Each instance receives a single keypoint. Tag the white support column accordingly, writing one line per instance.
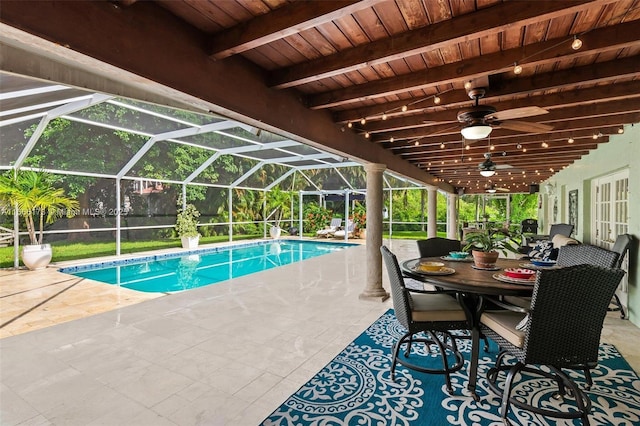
(374, 289)
(452, 217)
(432, 212)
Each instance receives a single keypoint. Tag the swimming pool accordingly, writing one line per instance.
(183, 271)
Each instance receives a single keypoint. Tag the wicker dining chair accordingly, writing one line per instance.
(438, 246)
(433, 313)
(562, 330)
(621, 246)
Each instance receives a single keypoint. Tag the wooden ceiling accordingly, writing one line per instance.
(379, 68)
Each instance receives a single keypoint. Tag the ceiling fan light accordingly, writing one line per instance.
(491, 190)
(476, 131)
(487, 173)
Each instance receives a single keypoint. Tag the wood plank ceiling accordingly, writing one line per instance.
(398, 72)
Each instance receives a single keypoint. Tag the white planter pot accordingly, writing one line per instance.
(36, 256)
(275, 232)
(190, 242)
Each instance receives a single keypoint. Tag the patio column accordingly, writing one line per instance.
(374, 289)
(432, 212)
(452, 216)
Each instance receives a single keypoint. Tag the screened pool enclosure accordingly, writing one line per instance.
(132, 164)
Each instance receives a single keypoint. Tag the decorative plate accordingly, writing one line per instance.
(543, 262)
(506, 279)
(495, 268)
(537, 267)
(457, 259)
(442, 271)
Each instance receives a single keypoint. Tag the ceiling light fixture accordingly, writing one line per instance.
(487, 173)
(517, 69)
(476, 131)
(576, 44)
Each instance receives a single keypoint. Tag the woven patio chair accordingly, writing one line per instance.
(561, 330)
(437, 246)
(621, 246)
(433, 313)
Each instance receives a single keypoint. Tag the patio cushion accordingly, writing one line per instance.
(560, 240)
(505, 324)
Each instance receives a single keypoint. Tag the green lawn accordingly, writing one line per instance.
(64, 251)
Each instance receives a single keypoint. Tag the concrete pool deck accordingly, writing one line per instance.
(229, 353)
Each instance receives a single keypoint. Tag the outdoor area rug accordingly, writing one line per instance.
(355, 388)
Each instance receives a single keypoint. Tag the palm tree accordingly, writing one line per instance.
(35, 196)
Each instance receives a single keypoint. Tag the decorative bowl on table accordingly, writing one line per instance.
(430, 266)
(539, 262)
(458, 254)
(520, 273)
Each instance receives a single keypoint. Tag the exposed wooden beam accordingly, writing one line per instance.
(595, 42)
(282, 22)
(446, 132)
(457, 30)
(584, 75)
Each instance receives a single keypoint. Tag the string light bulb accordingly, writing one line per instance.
(384, 116)
(404, 108)
(391, 140)
(517, 69)
(576, 44)
(621, 130)
(467, 85)
(437, 100)
(570, 140)
(442, 145)
(366, 135)
(363, 121)
(349, 124)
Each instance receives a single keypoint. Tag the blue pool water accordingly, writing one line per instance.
(178, 272)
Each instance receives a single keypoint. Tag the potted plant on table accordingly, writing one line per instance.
(39, 202)
(187, 226)
(487, 245)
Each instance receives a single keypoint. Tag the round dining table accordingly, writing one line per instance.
(473, 286)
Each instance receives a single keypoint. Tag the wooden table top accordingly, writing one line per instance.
(468, 279)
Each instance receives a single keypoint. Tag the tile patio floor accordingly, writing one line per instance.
(226, 354)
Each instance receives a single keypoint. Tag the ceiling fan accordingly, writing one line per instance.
(488, 167)
(492, 189)
(479, 120)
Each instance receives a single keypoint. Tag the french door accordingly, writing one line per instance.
(611, 211)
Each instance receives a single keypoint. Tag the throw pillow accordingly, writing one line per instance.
(543, 250)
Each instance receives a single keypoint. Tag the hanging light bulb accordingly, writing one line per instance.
(621, 130)
(442, 145)
(404, 108)
(467, 85)
(437, 100)
(349, 124)
(366, 135)
(517, 69)
(416, 143)
(384, 116)
(570, 140)
(576, 44)
(363, 121)
(391, 139)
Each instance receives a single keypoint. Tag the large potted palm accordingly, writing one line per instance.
(487, 245)
(278, 203)
(35, 195)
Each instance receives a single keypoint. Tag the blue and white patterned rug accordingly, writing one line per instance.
(355, 388)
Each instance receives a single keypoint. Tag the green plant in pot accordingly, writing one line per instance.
(39, 202)
(487, 245)
(187, 226)
(278, 205)
(360, 219)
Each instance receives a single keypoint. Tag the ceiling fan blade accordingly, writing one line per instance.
(510, 114)
(525, 126)
(502, 189)
(503, 166)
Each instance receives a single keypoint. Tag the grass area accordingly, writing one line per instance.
(64, 251)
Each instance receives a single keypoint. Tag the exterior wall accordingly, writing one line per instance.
(621, 152)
